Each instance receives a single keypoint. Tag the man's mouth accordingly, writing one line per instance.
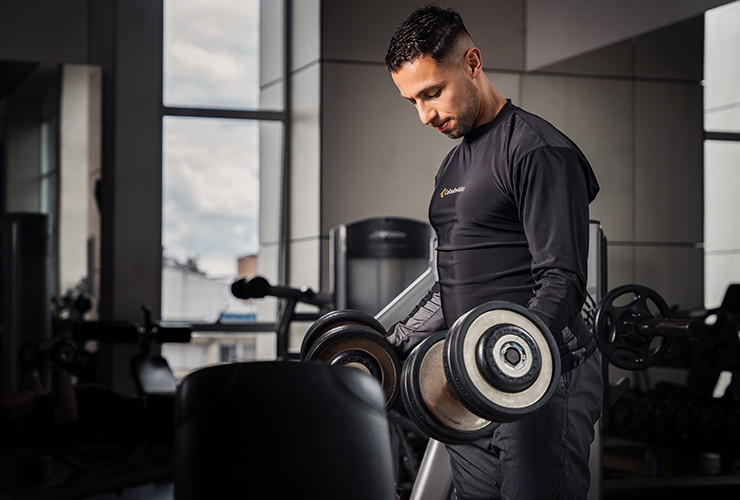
(445, 125)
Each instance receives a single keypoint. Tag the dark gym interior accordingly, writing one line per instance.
(193, 193)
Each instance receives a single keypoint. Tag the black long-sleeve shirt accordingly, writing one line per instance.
(510, 209)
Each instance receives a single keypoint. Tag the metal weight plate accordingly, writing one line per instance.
(429, 401)
(615, 327)
(337, 318)
(362, 348)
(501, 361)
(64, 353)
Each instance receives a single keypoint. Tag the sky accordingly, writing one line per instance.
(211, 166)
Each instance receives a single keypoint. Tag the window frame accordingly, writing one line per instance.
(282, 116)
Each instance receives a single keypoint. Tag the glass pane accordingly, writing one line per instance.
(721, 223)
(722, 69)
(721, 158)
(210, 225)
(207, 349)
(211, 53)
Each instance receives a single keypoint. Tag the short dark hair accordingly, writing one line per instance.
(430, 30)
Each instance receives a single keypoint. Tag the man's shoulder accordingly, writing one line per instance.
(530, 131)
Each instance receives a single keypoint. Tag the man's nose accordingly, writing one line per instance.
(426, 113)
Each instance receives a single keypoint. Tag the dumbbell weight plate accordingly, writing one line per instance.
(501, 361)
(429, 401)
(337, 318)
(360, 347)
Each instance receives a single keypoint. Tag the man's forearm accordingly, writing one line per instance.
(426, 318)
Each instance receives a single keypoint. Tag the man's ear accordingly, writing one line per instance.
(473, 62)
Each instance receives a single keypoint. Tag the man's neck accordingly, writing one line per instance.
(492, 103)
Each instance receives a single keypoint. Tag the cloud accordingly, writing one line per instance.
(211, 18)
(212, 53)
(211, 191)
(215, 239)
(217, 160)
(220, 65)
(211, 166)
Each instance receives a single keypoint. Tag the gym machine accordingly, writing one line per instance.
(90, 460)
(373, 260)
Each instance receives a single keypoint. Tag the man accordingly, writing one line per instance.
(510, 209)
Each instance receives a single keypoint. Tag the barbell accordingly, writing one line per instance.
(59, 352)
(633, 327)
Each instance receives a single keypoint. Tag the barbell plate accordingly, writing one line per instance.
(470, 383)
(64, 353)
(337, 318)
(429, 401)
(333, 344)
(615, 323)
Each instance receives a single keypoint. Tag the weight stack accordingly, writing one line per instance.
(373, 260)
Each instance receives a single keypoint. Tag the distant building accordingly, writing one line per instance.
(190, 296)
(247, 266)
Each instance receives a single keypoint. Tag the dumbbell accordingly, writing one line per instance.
(356, 340)
(641, 421)
(429, 400)
(662, 420)
(31, 357)
(621, 414)
(497, 363)
(61, 353)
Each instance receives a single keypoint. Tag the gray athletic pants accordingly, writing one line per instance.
(542, 456)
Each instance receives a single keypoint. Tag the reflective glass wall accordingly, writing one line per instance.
(721, 151)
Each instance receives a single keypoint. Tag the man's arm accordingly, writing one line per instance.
(554, 193)
(425, 320)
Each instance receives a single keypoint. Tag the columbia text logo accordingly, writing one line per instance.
(449, 191)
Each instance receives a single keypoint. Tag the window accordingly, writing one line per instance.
(210, 213)
(223, 133)
(211, 54)
(721, 151)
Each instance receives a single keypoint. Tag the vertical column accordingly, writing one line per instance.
(127, 41)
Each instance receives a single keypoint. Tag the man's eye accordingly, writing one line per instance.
(435, 95)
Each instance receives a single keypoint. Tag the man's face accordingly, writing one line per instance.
(443, 94)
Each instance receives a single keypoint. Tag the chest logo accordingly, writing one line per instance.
(449, 191)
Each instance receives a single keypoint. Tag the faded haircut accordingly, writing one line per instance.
(428, 31)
